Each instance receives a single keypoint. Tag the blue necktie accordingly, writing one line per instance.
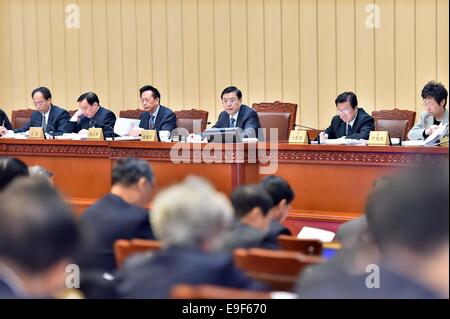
(349, 129)
(232, 121)
(151, 123)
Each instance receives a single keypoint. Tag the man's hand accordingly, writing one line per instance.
(431, 130)
(3, 130)
(323, 136)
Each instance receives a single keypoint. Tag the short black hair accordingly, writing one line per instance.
(436, 91)
(128, 171)
(11, 168)
(231, 89)
(347, 96)
(44, 91)
(155, 92)
(37, 229)
(247, 197)
(402, 213)
(278, 188)
(90, 97)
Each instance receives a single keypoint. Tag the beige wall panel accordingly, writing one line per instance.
(44, 43)
(345, 45)
(442, 28)
(86, 45)
(72, 59)
(6, 99)
(144, 43)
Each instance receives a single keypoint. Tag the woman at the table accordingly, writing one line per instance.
(5, 124)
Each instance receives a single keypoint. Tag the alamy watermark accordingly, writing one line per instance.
(73, 16)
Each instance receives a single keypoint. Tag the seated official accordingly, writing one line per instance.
(51, 118)
(434, 97)
(351, 122)
(5, 123)
(190, 220)
(91, 114)
(236, 114)
(253, 215)
(121, 214)
(282, 195)
(156, 116)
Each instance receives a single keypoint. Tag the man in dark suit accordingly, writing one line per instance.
(253, 215)
(48, 116)
(236, 114)
(190, 220)
(121, 214)
(156, 116)
(38, 238)
(282, 196)
(91, 114)
(5, 123)
(351, 121)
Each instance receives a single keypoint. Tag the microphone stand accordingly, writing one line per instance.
(309, 128)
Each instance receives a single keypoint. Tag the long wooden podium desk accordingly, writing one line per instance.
(331, 182)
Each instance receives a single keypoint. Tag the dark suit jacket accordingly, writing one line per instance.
(58, 120)
(244, 236)
(165, 120)
(276, 229)
(361, 128)
(104, 119)
(109, 219)
(247, 120)
(4, 121)
(153, 276)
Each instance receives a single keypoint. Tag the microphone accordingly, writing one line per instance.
(308, 128)
(103, 126)
(52, 127)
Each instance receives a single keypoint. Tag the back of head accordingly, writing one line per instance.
(37, 170)
(128, 171)
(10, 168)
(411, 211)
(278, 188)
(248, 197)
(37, 228)
(191, 214)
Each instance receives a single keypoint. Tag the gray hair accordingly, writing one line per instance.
(191, 214)
(37, 170)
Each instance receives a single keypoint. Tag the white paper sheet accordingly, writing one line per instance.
(124, 125)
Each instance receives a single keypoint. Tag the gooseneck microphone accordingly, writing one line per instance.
(103, 126)
(309, 128)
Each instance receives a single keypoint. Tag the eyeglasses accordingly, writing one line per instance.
(345, 111)
(231, 101)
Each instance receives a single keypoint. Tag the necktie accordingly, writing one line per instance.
(44, 123)
(232, 121)
(349, 129)
(151, 123)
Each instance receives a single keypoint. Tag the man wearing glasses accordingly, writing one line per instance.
(51, 118)
(236, 114)
(351, 121)
(434, 97)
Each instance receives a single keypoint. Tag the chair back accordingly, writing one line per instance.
(311, 247)
(396, 122)
(124, 248)
(185, 291)
(194, 121)
(277, 269)
(21, 117)
(277, 115)
(131, 114)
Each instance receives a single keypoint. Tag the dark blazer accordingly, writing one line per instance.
(109, 219)
(247, 120)
(244, 236)
(153, 276)
(165, 120)
(4, 121)
(361, 128)
(104, 119)
(276, 229)
(58, 120)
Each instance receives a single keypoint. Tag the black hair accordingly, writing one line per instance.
(436, 91)
(90, 97)
(232, 89)
(128, 171)
(155, 92)
(347, 96)
(11, 168)
(278, 188)
(44, 91)
(247, 197)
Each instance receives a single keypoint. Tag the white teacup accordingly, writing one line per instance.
(164, 136)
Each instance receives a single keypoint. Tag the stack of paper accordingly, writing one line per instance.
(316, 233)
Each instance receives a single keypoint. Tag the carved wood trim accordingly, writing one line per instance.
(396, 114)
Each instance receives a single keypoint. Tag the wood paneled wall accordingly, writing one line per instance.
(301, 51)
